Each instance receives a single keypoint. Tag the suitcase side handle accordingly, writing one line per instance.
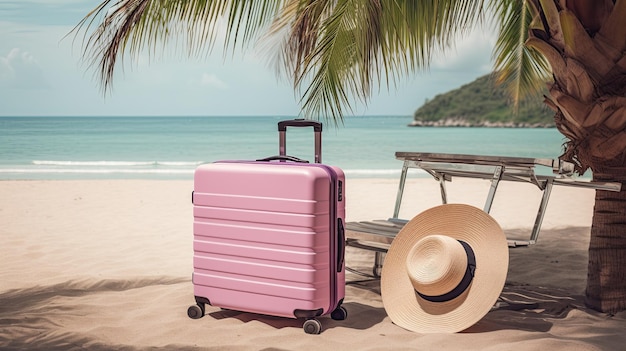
(282, 135)
(341, 244)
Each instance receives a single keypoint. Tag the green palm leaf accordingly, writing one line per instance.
(520, 69)
(132, 26)
(339, 49)
(334, 51)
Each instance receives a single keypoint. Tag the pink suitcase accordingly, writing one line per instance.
(269, 236)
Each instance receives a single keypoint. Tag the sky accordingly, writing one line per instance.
(42, 73)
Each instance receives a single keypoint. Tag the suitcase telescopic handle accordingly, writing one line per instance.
(282, 135)
(300, 122)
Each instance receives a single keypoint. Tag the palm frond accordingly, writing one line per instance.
(331, 62)
(334, 50)
(520, 69)
(345, 47)
(132, 26)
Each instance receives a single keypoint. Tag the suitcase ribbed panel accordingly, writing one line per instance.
(306, 220)
(261, 233)
(262, 237)
(279, 272)
(261, 251)
(304, 294)
(261, 203)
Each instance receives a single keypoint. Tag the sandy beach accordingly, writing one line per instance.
(106, 265)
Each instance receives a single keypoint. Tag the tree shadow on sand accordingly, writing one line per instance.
(528, 308)
(26, 325)
(519, 307)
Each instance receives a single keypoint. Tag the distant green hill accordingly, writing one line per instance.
(481, 103)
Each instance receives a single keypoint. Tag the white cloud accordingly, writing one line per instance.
(6, 71)
(53, 2)
(212, 81)
(471, 52)
(20, 69)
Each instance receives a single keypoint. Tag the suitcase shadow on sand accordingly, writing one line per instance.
(360, 317)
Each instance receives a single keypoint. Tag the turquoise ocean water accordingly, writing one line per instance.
(172, 147)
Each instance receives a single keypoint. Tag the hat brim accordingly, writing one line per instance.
(462, 222)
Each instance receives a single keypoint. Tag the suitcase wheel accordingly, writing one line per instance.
(312, 326)
(339, 314)
(195, 312)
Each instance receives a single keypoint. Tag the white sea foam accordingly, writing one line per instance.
(92, 163)
(379, 172)
(371, 171)
(104, 167)
(179, 163)
(94, 171)
(115, 163)
(126, 168)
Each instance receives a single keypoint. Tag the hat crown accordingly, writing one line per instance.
(436, 264)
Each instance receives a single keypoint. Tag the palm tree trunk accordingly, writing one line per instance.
(606, 273)
(584, 42)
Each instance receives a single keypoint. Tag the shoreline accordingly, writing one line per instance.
(463, 123)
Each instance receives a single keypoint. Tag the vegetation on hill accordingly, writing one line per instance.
(481, 103)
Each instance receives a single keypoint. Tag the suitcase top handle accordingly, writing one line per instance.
(282, 125)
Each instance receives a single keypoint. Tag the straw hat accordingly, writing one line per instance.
(444, 270)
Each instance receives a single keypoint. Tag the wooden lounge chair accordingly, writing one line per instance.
(377, 235)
